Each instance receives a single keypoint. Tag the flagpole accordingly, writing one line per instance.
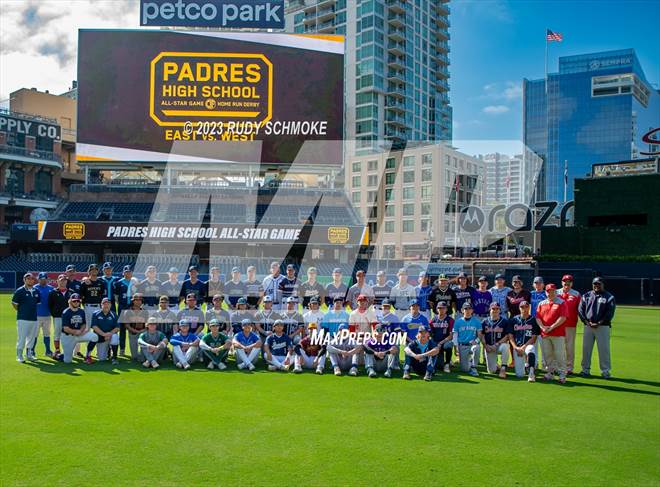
(456, 220)
(565, 179)
(546, 64)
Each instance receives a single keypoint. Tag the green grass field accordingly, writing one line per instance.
(92, 425)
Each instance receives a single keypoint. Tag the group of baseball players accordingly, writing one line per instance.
(278, 319)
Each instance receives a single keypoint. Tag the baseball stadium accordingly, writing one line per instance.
(234, 219)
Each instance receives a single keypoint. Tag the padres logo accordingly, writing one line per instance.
(338, 235)
(73, 231)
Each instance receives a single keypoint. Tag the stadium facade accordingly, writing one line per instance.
(596, 108)
(396, 69)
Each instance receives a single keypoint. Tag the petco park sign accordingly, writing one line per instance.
(255, 14)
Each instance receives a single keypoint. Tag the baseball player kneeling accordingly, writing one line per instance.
(185, 346)
(247, 345)
(344, 353)
(105, 324)
(215, 345)
(494, 336)
(308, 354)
(74, 328)
(379, 355)
(523, 333)
(421, 355)
(278, 349)
(466, 340)
(153, 344)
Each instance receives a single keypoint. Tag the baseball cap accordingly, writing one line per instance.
(127, 268)
(312, 326)
(278, 323)
(494, 305)
(151, 321)
(235, 269)
(441, 304)
(336, 270)
(246, 323)
(402, 272)
(251, 268)
(214, 268)
(290, 266)
(92, 266)
(567, 277)
(107, 265)
(483, 278)
(314, 300)
(214, 322)
(191, 295)
(343, 326)
(219, 296)
(516, 278)
(193, 268)
(386, 302)
(27, 274)
(597, 280)
(523, 303)
(362, 297)
(461, 274)
(163, 299)
(443, 277)
(312, 270)
(136, 296)
(75, 296)
(380, 273)
(241, 301)
(466, 306)
(538, 279)
(184, 322)
(338, 298)
(71, 268)
(423, 274)
(550, 286)
(105, 300)
(499, 276)
(173, 269)
(380, 328)
(413, 302)
(292, 299)
(268, 299)
(43, 275)
(422, 328)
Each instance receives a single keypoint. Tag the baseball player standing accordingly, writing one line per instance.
(25, 301)
(466, 340)
(413, 320)
(72, 283)
(271, 285)
(363, 318)
(192, 315)
(550, 316)
(150, 288)
(422, 292)
(402, 293)
(193, 285)
(265, 318)
(494, 336)
(360, 288)
(311, 288)
(523, 331)
(335, 316)
(443, 292)
(572, 299)
(58, 301)
(74, 329)
(381, 289)
(124, 291)
(499, 292)
(336, 289)
(165, 319)
(442, 327)
(537, 294)
(254, 291)
(92, 291)
(481, 299)
(43, 313)
(109, 280)
(235, 289)
(214, 285)
(153, 344)
(172, 289)
(596, 311)
(516, 296)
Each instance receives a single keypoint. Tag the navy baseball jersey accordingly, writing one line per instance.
(195, 316)
(441, 328)
(93, 292)
(150, 291)
(172, 290)
(213, 288)
(73, 319)
(380, 293)
(463, 295)
(494, 330)
(447, 295)
(288, 287)
(74, 286)
(332, 292)
(234, 291)
(110, 287)
(523, 329)
(27, 301)
(279, 345)
(106, 322)
(198, 288)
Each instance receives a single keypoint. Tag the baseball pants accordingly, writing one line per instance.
(344, 363)
(89, 310)
(136, 353)
(151, 356)
(44, 325)
(491, 358)
(554, 353)
(444, 357)
(277, 361)
(468, 356)
(216, 358)
(247, 358)
(601, 336)
(378, 364)
(570, 347)
(57, 329)
(103, 347)
(69, 342)
(420, 367)
(307, 362)
(187, 357)
(529, 358)
(27, 332)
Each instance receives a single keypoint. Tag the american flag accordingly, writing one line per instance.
(553, 36)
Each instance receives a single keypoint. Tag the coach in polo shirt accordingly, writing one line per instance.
(25, 301)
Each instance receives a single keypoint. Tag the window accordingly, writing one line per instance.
(390, 163)
(371, 196)
(427, 174)
(427, 159)
(357, 181)
(43, 182)
(356, 166)
(373, 229)
(390, 178)
(355, 197)
(389, 227)
(409, 209)
(426, 208)
(372, 180)
(372, 166)
(424, 226)
(389, 210)
(15, 182)
(409, 176)
(427, 192)
(389, 194)
(373, 212)
(409, 161)
(408, 226)
(408, 193)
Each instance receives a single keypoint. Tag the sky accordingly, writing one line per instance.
(494, 45)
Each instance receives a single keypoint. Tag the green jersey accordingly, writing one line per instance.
(152, 338)
(215, 342)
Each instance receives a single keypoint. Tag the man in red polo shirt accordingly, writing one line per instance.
(572, 299)
(551, 316)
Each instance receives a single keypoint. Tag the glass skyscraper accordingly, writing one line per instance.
(595, 109)
(397, 65)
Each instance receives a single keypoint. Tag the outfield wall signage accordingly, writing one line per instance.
(179, 96)
(31, 128)
(7, 280)
(253, 14)
(181, 232)
(474, 219)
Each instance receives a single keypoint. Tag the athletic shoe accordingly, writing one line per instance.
(122, 352)
(585, 374)
(353, 372)
(30, 356)
(60, 358)
(396, 366)
(154, 364)
(241, 366)
(428, 377)
(89, 360)
(146, 364)
(388, 373)
(19, 358)
(49, 354)
(251, 366)
(178, 364)
(79, 355)
(372, 373)
(272, 368)
(319, 371)
(502, 372)
(297, 370)
(562, 379)
(186, 366)
(548, 377)
(116, 362)
(447, 369)
(286, 367)
(473, 372)
(210, 366)
(406, 375)
(337, 371)
(569, 372)
(606, 375)
(222, 366)
(531, 378)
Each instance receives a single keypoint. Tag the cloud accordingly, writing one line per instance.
(507, 91)
(495, 109)
(493, 9)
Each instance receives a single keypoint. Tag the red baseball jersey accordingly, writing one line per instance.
(548, 312)
(572, 299)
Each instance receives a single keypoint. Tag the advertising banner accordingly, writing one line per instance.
(32, 128)
(179, 96)
(7, 281)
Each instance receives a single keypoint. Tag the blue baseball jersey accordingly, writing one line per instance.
(106, 322)
(235, 291)
(110, 287)
(467, 329)
(494, 330)
(173, 292)
(537, 297)
(423, 293)
(333, 319)
(499, 297)
(246, 340)
(279, 345)
(74, 285)
(391, 321)
(150, 292)
(123, 293)
(198, 288)
(73, 319)
(179, 339)
(523, 329)
(27, 301)
(417, 347)
(410, 324)
(42, 307)
(481, 302)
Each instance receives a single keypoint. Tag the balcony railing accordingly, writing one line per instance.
(30, 153)
(29, 116)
